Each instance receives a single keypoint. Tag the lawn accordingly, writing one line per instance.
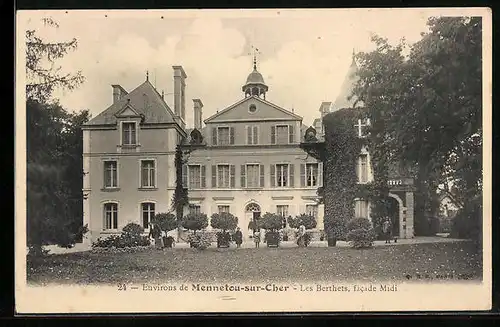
(452, 260)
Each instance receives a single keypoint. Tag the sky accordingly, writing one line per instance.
(304, 54)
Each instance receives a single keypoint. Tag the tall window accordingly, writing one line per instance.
(282, 136)
(253, 175)
(148, 213)
(223, 208)
(129, 134)
(194, 176)
(312, 174)
(194, 209)
(110, 216)
(148, 173)
(223, 176)
(363, 168)
(223, 136)
(282, 210)
(252, 135)
(361, 126)
(110, 174)
(361, 209)
(312, 210)
(282, 172)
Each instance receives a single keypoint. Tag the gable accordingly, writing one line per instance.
(127, 111)
(144, 100)
(243, 111)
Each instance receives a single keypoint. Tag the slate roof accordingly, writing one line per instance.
(342, 101)
(145, 100)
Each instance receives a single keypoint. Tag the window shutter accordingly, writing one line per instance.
(320, 174)
(203, 176)
(232, 177)
(292, 168)
(255, 135)
(243, 183)
(184, 176)
(124, 135)
(273, 134)
(302, 175)
(214, 176)
(290, 134)
(249, 135)
(261, 175)
(231, 135)
(273, 176)
(214, 136)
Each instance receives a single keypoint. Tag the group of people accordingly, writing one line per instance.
(161, 239)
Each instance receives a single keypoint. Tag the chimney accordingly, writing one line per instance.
(118, 93)
(179, 92)
(198, 114)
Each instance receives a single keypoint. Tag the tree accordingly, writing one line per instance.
(166, 221)
(430, 104)
(224, 221)
(308, 221)
(271, 222)
(42, 76)
(195, 221)
(54, 149)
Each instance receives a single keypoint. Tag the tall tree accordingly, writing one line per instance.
(431, 104)
(54, 148)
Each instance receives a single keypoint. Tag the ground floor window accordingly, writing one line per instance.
(148, 213)
(361, 209)
(312, 210)
(110, 216)
(223, 208)
(282, 210)
(195, 209)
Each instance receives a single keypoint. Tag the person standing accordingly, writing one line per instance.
(386, 228)
(155, 233)
(256, 238)
(238, 237)
(301, 236)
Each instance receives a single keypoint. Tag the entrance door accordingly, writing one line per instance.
(252, 212)
(393, 211)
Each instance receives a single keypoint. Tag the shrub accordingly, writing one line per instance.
(224, 221)
(434, 225)
(200, 241)
(121, 241)
(166, 221)
(361, 238)
(271, 221)
(195, 221)
(308, 221)
(132, 230)
(468, 223)
(272, 238)
(358, 223)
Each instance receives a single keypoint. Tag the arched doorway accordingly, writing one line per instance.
(252, 213)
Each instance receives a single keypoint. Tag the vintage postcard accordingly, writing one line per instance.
(326, 160)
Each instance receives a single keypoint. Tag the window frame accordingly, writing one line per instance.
(276, 174)
(104, 161)
(194, 206)
(287, 206)
(219, 206)
(287, 133)
(316, 210)
(228, 175)
(141, 206)
(155, 176)
(254, 136)
(246, 175)
(136, 126)
(309, 164)
(189, 176)
(360, 170)
(104, 216)
(228, 135)
(367, 208)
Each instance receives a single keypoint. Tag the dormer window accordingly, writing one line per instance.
(129, 133)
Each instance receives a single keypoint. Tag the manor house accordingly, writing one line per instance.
(251, 164)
